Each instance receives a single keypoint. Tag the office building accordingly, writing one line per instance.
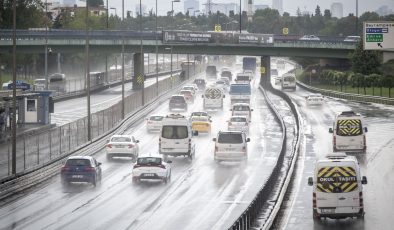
(337, 10)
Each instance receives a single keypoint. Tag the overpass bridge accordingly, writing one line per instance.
(182, 42)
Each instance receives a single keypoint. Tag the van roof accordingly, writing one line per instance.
(348, 114)
(338, 157)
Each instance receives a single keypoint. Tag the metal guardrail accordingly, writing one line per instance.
(348, 96)
(254, 209)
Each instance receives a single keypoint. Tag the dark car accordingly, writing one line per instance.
(211, 71)
(81, 169)
(177, 102)
(201, 83)
(228, 74)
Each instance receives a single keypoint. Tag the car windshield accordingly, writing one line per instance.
(177, 100)
(241, 108)
(289, 79)
(186, 92)
(199, 114)
(349, 127)
(149, 161)
(231, 138)
(121, 139)
(200, 118)
(174, 132)
(238, 119)
(199, 81)
(156, 118)
(188, 87)
(78, 162)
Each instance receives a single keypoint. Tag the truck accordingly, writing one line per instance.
(240, 93)
(249, 63)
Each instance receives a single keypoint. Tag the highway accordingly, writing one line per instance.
(376, 164)
(201, 195)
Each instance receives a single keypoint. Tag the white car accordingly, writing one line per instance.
(242, 109)
(122, 146)
(314, 99)
(191, 88)
(238, 123)
(153, 122)
(151, 167)
(310, 38)
(230, 146)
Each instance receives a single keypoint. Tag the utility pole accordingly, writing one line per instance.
(13, 123)
(87, 70)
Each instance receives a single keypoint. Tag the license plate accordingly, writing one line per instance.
(327, 210)
(229, 149)
(77, 176)
(149, 174)
(119, 146)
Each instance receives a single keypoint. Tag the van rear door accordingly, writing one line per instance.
(349, 134)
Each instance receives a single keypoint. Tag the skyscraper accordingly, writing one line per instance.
(278, 5)
(337, 10)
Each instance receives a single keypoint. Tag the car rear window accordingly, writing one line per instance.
(243, 78)
(349, 127)
(199, 114)
(174, 132)
(177, 100)
(149, 161)
(78, 162)
(238, 119)
(231, 138)
(186, 92)
(156, 118)
(241, 108)
(121, 139)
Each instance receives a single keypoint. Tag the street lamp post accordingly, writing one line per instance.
(46, 46)
(123, 110)
(356, 17)
(87, 71)
(142, 57)
(106, 55)
(157, 55)
(240, 17)
(172, 25)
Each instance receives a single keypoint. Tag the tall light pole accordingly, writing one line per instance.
(157, 55)
(142, 58)
(106, 55)
(240, 17)
(13, 123)
(123, 113)
(356, 17)
(172, 27)
(87, 69)
(46, 46)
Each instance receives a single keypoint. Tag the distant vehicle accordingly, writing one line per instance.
(211, 71)
(122, 146)
(280, 63)
(249, 63)
(188, 67)
(20, 85)
(348, 132)
(188, 94)
(222, 85)
(191, 88)
(201, 124)
(153, 122)
(213, 98)
(81, 169)
(226, 81)
(352, 39)
(231, 146)
(39, 84)
(177, 102)
(310, 38)
(243, 78)
(57, 82)
(151, 167)
(176, 137)
(238, 123)
(274, 75)
(240, 93)
(250, 72)
(200, 83)
(242, 109)
(289, 81)
(228, 74)
(314, 99)
(337, 187)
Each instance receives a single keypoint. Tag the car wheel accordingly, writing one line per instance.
(94, 181)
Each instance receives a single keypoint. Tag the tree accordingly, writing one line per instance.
(388, 81)
(327, 14)
(29, 14)
(373, 80)
(317, 11)
(365, 61)
(95, 3)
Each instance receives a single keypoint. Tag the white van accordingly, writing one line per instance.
(231, 146)
(337, 187)
(176, 137)
(213, 98)
(242, 109)
(348, 133)
(288, 81)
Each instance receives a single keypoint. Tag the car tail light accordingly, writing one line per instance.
(136, 166)
(244, 149)
(361, 200)
(130, 146)
(65, 168)
(314, 200)
(162, 166)
(109, 146)
(89, 169)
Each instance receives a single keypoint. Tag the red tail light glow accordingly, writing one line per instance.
(109, 146)
(136, 166)
(162, 166)
(89, 169)
(65, 168)
(130, 146)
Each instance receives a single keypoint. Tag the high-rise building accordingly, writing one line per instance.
(224, 8)
(195, 4)
(278, 5)
(337, 10)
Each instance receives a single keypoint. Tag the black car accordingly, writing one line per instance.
(81, 169)
(177, 102)
(201, 83)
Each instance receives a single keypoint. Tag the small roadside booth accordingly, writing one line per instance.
(34, 107)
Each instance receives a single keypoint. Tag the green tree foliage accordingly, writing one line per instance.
(29, 14)
(365, 61)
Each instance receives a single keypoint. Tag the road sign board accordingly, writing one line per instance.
(218, 28)
(285, 31)
(262, 70)
(378, 35)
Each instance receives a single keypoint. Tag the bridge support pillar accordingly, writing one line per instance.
(139, 76)
(265, 71)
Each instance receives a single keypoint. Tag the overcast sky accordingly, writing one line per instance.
(288, 5)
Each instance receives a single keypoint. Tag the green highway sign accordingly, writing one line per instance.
(378, 35)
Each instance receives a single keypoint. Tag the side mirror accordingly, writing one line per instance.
(195, 133)
(214, 139)
(137, 141)
(248, 139)
(251, 109)
(364, 180)
(310, 181)
(169, 162)
(98, 163)
(366, 129)
(330, 130)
